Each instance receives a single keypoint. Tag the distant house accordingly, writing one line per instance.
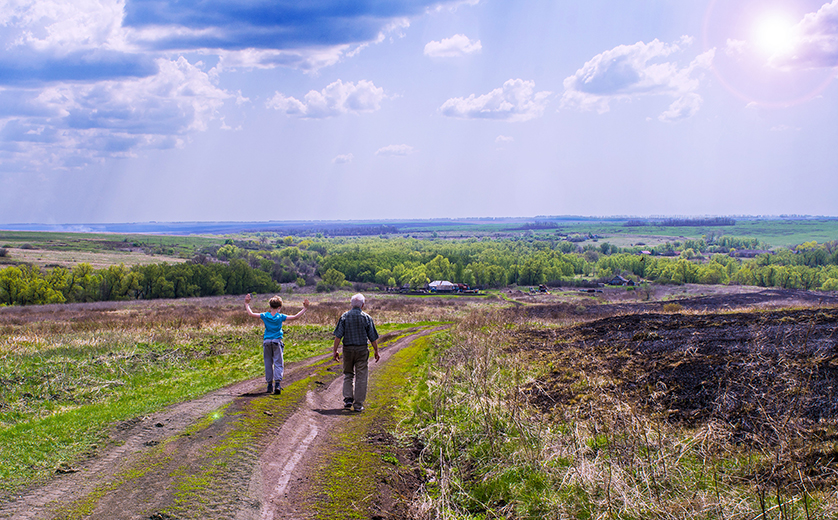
(619, 280)
(442, 286)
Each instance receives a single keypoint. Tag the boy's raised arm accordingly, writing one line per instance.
(247, 300)
(299, 314)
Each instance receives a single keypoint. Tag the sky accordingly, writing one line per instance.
(255, 110)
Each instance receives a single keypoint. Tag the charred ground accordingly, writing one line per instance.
(767, 378)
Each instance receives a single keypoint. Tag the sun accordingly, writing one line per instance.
(773, 34)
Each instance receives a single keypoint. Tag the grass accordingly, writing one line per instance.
(98, 260)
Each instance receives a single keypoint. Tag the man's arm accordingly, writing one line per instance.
(335, 353)
(375, 350)
(299, 314)
(247, 300)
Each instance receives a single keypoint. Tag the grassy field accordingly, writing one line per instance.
(520, 408)
(71, 371)
(99, 249)
(774, 232)
(98, 260)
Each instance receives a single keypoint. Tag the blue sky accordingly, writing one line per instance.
(141, 110)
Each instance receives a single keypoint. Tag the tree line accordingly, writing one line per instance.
(238, 267)
(27, 284)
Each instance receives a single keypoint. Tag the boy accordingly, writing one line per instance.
(272, 345)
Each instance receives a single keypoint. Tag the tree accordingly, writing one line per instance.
(334, 278)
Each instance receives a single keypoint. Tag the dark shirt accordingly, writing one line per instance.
(355, 327)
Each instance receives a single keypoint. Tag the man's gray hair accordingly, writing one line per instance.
(357, 300)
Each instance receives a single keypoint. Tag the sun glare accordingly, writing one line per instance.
(773, 34)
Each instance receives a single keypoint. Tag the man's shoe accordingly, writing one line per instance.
(358, 408)
(347, 402)
(277, 388)
(270, 387)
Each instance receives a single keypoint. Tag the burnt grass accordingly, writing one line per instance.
(770, 378)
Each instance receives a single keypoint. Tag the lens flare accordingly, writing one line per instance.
(773, 34)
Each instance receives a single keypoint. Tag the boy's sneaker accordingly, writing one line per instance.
(270, 387)
(277, 388)
(358, 407)
(347, 402)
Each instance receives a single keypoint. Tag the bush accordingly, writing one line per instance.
(324, 287)
(3, 252)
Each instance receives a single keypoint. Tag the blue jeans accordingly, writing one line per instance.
(274, 362)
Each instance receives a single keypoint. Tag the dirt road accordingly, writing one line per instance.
(235, 453)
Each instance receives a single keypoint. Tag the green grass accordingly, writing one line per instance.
(55, 403)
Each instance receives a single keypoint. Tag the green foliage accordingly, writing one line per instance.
(28, 285)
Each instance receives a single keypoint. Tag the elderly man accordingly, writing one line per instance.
(355, 327)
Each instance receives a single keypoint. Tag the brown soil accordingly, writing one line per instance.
(235, 453)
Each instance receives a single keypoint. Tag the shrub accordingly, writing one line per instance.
(3, 252)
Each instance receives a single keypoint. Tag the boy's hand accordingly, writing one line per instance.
(306, 303)
(247, 299)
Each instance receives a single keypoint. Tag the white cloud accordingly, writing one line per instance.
(395, 149)
(682, 108)
(515, 101)
(736, 47)
(75, 124)
(503, 139)
(343, 159)
(455, 46)
(814, 41)
(629, 71)
(785, 128)
(336, 99)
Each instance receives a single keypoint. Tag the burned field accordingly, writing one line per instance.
(765, 380)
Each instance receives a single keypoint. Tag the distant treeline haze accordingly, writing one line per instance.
(254, 266)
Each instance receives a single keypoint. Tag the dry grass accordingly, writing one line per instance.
(70, 259)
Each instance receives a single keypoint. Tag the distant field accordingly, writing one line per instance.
(774, 232)
(98, 249)
(69, 259)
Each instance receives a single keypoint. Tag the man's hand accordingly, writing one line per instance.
(306, 303)
(248, 299)
(377, 357)
(336, 355)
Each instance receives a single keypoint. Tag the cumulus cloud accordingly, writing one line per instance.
(395, 149)
(814, 41)
(98, 78)
(516, 100)
(343, 159)
(336, 99)
(629, 71)
(67, 125)
(455, 46)
(682, 108)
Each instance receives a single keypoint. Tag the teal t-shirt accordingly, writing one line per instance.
(273, 324)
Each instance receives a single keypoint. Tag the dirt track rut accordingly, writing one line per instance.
(234, 453)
